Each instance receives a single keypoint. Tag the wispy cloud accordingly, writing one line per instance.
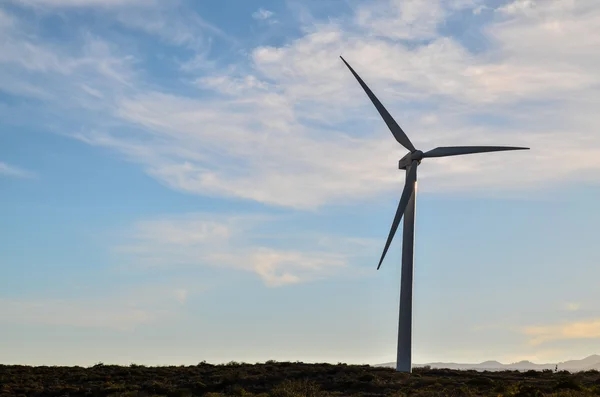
(173, 25)
(14, 171)
(412, 19)
(289, 126)
(517, 6)
(582, 329)
(49, 71)
(571, 306)
(239, 242)
(262, 14)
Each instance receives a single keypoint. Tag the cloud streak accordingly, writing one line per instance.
(262, 14)
(288, 126)
(239, 242)
(14, 171)
(583, 329)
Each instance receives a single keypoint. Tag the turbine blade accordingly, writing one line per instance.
(444, 151)
(409, 187)
(389, 120)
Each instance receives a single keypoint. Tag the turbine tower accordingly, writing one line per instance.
(406, 208)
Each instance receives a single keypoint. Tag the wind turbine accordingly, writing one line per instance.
(407, 207)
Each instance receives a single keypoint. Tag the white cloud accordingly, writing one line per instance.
(14, 171)
(231, 85)
(95, 62)
(293, 128)
(238, 243)
(174, 26)
(401, 19)
(517, 6)
(85, 75)
(165, 20)
(582, 329)
(262, 14)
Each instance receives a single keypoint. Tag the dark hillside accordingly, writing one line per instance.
(286, 380)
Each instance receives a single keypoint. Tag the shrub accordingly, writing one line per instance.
(569, 384)
(289, 388)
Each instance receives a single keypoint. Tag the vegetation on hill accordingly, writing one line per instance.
(284, 379)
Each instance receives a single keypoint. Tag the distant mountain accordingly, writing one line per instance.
(586, 364)
(592, 362)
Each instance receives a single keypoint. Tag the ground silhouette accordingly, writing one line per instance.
(285, 379)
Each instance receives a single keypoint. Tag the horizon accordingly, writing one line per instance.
(324, 362)
(514, 362)
(181, 182)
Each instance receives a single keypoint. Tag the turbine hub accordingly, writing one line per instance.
(409, 158)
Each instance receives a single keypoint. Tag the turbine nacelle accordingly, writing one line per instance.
(407, 160)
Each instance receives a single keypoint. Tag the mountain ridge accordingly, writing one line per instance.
(585, 364)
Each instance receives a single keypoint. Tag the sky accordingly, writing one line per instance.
(184, 181)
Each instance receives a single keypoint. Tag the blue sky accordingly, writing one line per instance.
(181, 181)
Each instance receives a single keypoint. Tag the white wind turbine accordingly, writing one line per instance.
(407, 207)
